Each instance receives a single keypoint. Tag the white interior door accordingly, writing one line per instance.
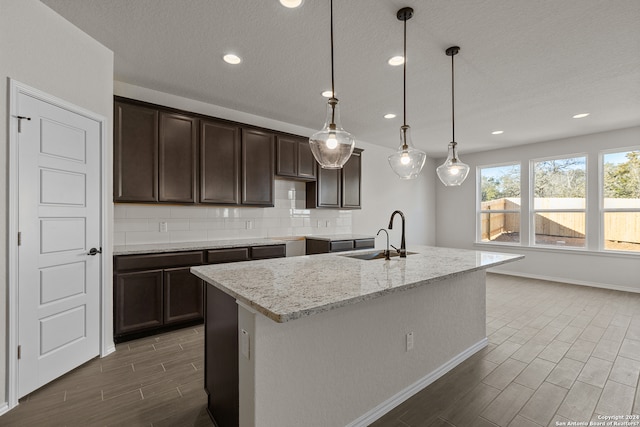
(59, 222)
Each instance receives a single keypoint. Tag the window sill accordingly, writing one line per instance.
(565, 250)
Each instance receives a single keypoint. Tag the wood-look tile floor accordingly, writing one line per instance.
(155, 381)
(556, 353)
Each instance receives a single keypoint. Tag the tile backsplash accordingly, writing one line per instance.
(142, 224)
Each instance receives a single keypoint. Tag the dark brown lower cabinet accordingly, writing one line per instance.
(183, 296)
(156, 292)
(139, 299)
(153, 293)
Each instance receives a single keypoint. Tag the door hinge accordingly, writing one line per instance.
(19, 238)
(20, 119)
(19, 352)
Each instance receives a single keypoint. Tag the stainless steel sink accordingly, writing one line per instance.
(374, 255)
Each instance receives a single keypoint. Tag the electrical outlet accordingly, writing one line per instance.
(245, 344)
(163, 227)
(328, 224)
(410, 341)
(249, 225)
(318, 223)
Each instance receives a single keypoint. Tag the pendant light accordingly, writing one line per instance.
(452, 172)
(332, 146)
(408, 161)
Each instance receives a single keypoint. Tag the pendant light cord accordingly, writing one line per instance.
(453, 108)
(404, 76)
(333, 90)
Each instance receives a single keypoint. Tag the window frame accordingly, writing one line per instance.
(602, 209)
(532, 206)
(479, 210)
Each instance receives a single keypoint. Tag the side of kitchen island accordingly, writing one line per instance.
(329, 340)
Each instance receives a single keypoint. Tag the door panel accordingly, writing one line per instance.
(59, 220)
(219, 163)
(177, 151)
(183, 296)
(135, 151)
(62, 281)
(257, 167)
(138, 301)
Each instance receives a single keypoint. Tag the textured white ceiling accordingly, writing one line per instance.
(525, 66)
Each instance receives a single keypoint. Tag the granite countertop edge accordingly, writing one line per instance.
(282, 317)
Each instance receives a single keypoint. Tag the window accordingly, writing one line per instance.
(621, 201)
(559, 202)
(500, 204)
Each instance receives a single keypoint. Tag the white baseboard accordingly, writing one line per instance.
(377, 412)
(569, 281)
(110, 349)
(4, 407)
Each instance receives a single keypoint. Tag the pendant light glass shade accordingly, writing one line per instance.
(332, 146)
(452, 172)
(408, 161)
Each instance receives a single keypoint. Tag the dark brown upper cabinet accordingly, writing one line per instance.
(219, 162)
(351, 178)
(177, 148)
(337, 188)
(135, 171)
(294, 158)
(257, 167)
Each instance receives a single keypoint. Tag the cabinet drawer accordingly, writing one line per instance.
(219, 256)
(264, 252)
(364, 243)
(341, 245)
(151, 261)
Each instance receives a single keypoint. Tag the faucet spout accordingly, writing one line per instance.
(403, 249)
(386, 252)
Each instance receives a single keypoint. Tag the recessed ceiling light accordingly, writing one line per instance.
(396, 60)
(581, 115)
(230, 58)
(390, 116)
(291, 4)
(327, 93)
(497, 132)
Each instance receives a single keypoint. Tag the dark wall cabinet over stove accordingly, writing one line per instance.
(156, 292)
(337, 188)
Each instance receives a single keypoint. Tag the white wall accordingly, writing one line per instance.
(382, 193)
(43, 50)
(456, 216)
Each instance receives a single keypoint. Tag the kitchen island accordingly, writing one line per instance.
(332, 340)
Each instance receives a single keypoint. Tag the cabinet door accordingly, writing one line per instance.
(219, 163)
(138, 301)
(177, 155)
(351, 173)
(135, 157)
(328, 188)
(306, 162)
(183, 296)
(257, 167)
(287, 156)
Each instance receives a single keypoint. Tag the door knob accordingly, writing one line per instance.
(94, 251)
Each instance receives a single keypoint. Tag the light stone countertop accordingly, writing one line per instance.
(189, 246)
(336, 237)
(285, 289)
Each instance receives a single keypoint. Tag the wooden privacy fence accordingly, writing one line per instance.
(618, 226)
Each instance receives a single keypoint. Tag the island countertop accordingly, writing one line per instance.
(285, 289)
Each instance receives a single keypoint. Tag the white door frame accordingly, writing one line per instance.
(106, 347)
